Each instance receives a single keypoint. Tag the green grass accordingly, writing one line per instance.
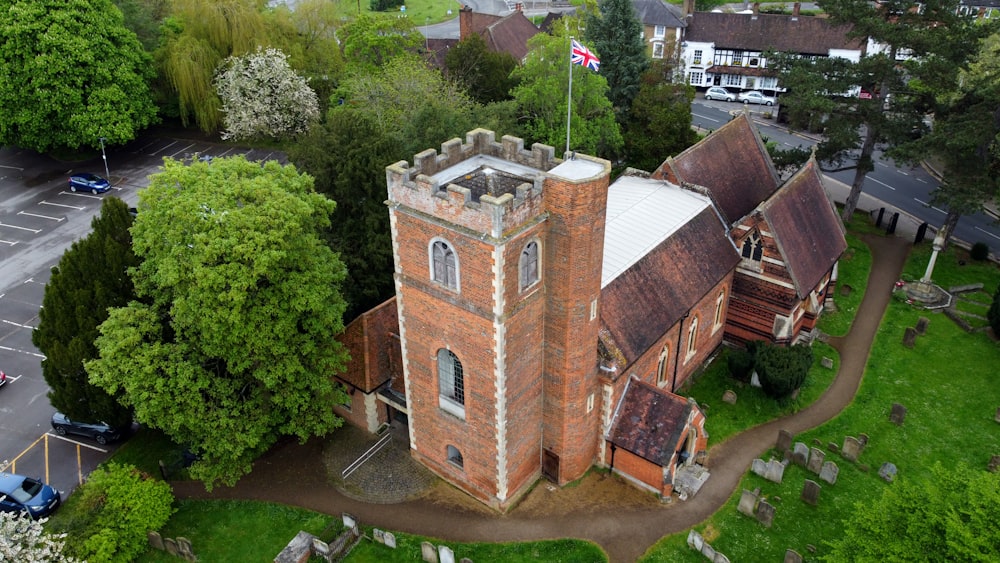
(145, 451)
(855, 264)
(948, 384)
(408, 549)
(752, 406)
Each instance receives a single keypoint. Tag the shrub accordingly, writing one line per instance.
(993, 315)
(979, 251)
(783, 370)
(384, 5)
(740, 365)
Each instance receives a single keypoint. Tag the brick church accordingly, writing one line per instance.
(545, 318)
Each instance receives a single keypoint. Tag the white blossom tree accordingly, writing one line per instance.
(23, 539)
(263, 97)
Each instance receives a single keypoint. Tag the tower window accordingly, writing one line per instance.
(444, 264)
(451, 383)
(455, 457)
(529, 265)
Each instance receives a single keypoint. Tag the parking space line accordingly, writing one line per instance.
(43, 202)
(8, 242)
(163, 149)
(80, 194)
(75, 442)
(18, 350)
(60, 219)
(227, 151)
(181, 150)
(16, 324)
(13, 462)
(36, 231)
(987, 232)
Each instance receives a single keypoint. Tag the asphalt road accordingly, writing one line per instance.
(39, 219)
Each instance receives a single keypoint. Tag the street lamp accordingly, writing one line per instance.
(105, 157)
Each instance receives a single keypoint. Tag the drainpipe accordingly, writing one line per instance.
(611, 469)
(677, 352)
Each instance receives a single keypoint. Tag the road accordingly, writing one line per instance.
(39, 219)
(903, 188)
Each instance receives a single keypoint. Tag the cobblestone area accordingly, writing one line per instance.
(388, 477)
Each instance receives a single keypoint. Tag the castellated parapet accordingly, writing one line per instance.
(490, 188)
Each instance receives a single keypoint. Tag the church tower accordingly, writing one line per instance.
(498, 255)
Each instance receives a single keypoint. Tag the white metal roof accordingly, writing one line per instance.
(642, 213)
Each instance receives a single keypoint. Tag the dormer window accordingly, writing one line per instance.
(753, 247)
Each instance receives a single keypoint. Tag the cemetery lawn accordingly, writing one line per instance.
(947, 383)
(408, 550)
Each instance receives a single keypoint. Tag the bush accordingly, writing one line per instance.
(112, 512)
(384, 5)
(740, 365)
(993, 315)
(783, 370)
(980, 251)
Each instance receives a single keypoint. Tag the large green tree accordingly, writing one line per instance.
(484, 74)
(616, 35)
(92, 276)
(542, 99)
(659, 124)
(71, 73)
(952, 517)
(231, 344)
(372, 40)
(928, 44)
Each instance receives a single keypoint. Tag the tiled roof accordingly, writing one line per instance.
(649, 422)
(732, 163)
(805, 34)
(507, 34)
(373, 342)
(658, 12)
(806, 228)
(641, 303)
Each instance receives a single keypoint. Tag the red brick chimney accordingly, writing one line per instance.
(795, 10)
(688, 7)
(756, 10)
(464, 22)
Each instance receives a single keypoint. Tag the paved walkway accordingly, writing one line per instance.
(624, 527)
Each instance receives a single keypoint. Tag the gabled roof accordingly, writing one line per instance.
(658, 12)
(803, 34)
(806, 228)
(373, 342)
(732, 164)
(649, 422)
(503, 34)
(551, 18)
(674, 259)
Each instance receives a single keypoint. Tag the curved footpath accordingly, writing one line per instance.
(294, 474)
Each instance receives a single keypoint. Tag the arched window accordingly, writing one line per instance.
(692, 337)
(661, 366)
(451, 382)
(753, 247)
(455, 457)
(719, 304)
(444, 264)
(529, 265)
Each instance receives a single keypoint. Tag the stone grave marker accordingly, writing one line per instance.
(909, 337)
(155, 540)
(898, 414)
(445, 554)
(350, 522)
(379, 535)
(994, 464)
(800, 454)
(816, 458)
(851, 449)
(792, 556)
(429, 552)
(171, 545)
(755, 379)
(729, 397)
(826, 362)
(810, 492)
(863, 439)
(695, 541)
(321, 548)
(748, 503)
(765, 513)
(829, 472)
(888, 472)
(817, 442)
(922, 323)
(845, 290)
(720, 558)
(390, 539)
(759, 467)
(465, 560)
(996, 417)
(708, 551)
(775, 471)
(833, 447)
(184, 549)
(785, 440)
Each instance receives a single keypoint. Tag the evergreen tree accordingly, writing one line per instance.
(616, 37)
(483, 74)
(782, 369)
(92, 276)
(659, 124)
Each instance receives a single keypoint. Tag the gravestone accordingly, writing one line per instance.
(320, 547)
(829, 472)
(816, 457)
(184, 549)
(695, 541)
(863, 439)
(922, 323)
(755, 380)
(792, 556)
(765, 513)
(888, 472)
(845, 290)
(720, 558)
(379, 535)
(775, 471)
(810, 492)
(826, 362)
(909, 337)
(994, 464)
(748, 503)
(800, 454)
(708, 551)
(759, 467)
(350, 522)
(851, 449)
(996, 417)
(729, 397)
(898, 414)
(171, 545)
(390, 539)
(817, 442)
(785, 440)
(429, 552)
(155, 540)
(465, 560)
(833, 447)
(445, 554)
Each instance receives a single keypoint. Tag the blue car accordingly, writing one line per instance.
(87, 182)
(24, 494)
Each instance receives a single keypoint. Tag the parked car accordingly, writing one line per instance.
(87, 182)
(719, 93)
(24, 494)
(100, 432)
(756, 97)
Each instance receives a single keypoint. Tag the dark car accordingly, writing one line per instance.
(87, 182)
(24, 494)
(101, 433)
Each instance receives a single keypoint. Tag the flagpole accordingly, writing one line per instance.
(569, 98)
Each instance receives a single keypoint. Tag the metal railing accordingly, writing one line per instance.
(366, 456)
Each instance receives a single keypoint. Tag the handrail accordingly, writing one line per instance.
(366, 456)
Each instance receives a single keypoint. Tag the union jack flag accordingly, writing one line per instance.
(581, 55)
